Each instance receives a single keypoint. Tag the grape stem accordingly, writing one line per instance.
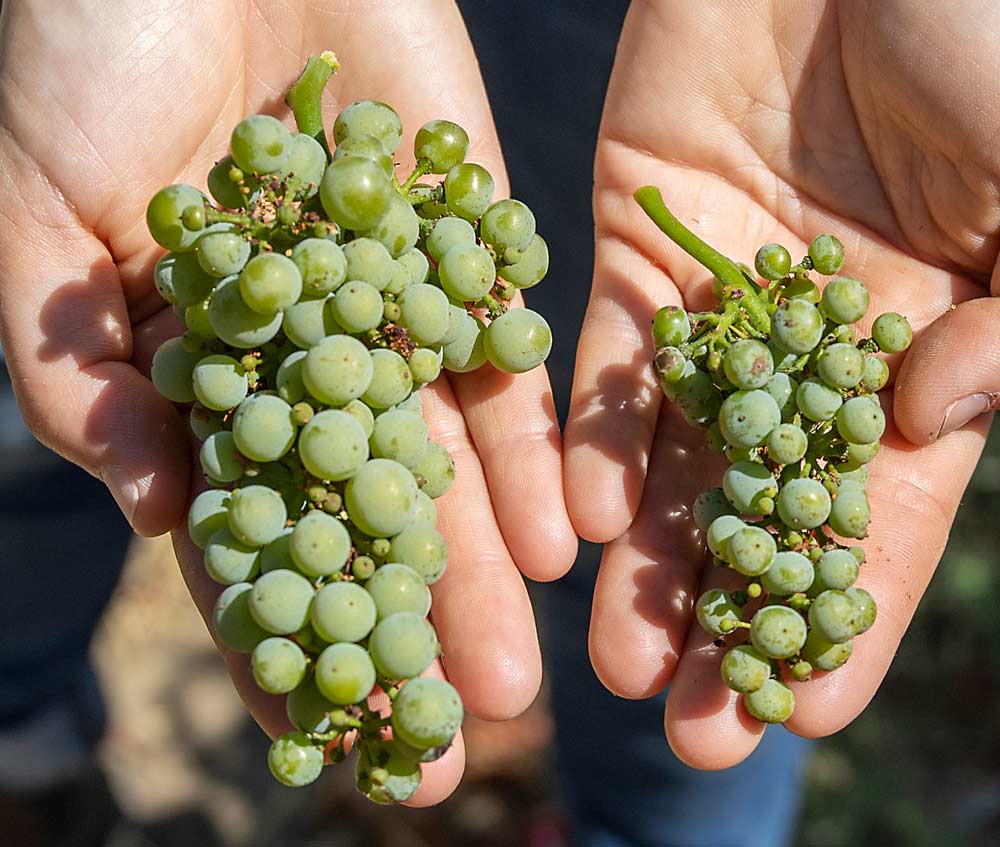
(305, 97)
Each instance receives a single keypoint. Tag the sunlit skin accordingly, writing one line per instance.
(103, 103)
(767, 121)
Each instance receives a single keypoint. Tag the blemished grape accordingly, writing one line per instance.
(278, 665)
(357, 306)
(803, 504)
(322, 265)
(748, 417)
(368, 260)
(710, 505)
(261, 144)
(270, 282)
(517, 341)
(751, 551)
(173, 369)
(827, 254)
(436, 470)
(391, 380)
(219, 382)
(772, 261)
(845, 300)
(837, 569)
(320, 544)
(874, 373)
(235, 322)
(834, 616)
(790, 573)
(468, 190)
(355, 192)
(786, 444)
(228, 560)
(345, 673)
(748, 364)
(443, 144)
(778, 632)
(403, 645)
(865, 604)
(207, 515)
(396, 588)
(773, 702)
(841, 366)
(427, 713)
(232, 622)
(369, 117)
(263, 429)
(295, 760)
(337, 370)
(423, 549)
(714, 607)
(892, 332)
(342, 611)
(797, 326)
(744, 669)
(861, 420)
(333, 445)
(163, 217)
(257, 515)
(671, 327)
(280, 601)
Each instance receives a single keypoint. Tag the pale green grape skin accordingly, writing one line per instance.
(714, 607)
(845, 300)
(280, 601)
(395, 588)
(424, 512)
(782, 389)
(744, 669)
(308, 322)
(710, 505)
(222, 253)
(379, 497)
(163, 217)
(277, 554)
(413, 403)
(748, 364)
(786, 444)
(398, 228)
(746, 483)
(720, 530)
(777, 631)
(892, 332)
(355, 193)
(369, 117)
(368, 147)
(391, 381)
(337, 370)
(235, 322)
(219, 457)
(772, 261)
(399, 776)
(219, 382)
(343, 611)
(874, 373)
(751, 551)
(773, 702)
(344, 673)
(368, 260)
(172, 370)
(827, 254)
(197, 322)
(403, 645)
(307, 708)
(530, 269)
(442, 143)
(425, 365)
(424, 312)
(861, 420)
(506, 225)
(207, 515)
(825, 655)
(837, 569)
(307, 161)
(801, 289)
(261, 144)
(467, 272)
(401, 436)
(269, 283)
(278, 665)
(841, 366)
(256, 515)
(423, 549)
(427, 712)
(357, 306)
(333, 445)
(232, 622)
(288, 379)
(803, 504)
(228, 560)
(517, 341)
(834, 617)
(437, 470)
(468, 190)
(417, 268)
(263, 428)
(865, 604)
(294, 760)
(363, 415)
(850, 514)
(817, 401)
(466, 351)
(671, 326)
(790, 573)
(322, 266)
(226, 193)
(320, 544)
(860, 454)
(797, 326)
(180, 280)
(748, 417)
(448, 233)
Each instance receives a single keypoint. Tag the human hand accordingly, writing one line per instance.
(762, 122)
(103, 103)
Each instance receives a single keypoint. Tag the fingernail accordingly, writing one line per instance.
(959, 413)
(123, 489)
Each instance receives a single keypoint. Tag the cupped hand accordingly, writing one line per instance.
(765, 121)
(101, 104)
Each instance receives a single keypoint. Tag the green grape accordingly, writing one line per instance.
(180, 280)
(197, 322)
(222, 252)
(845, 300)
(803, 504)
(207, 515)
(367, 147)
(425, 365)
(427, 713)
(892, 332)
(398, 228)
(394, 778)
(671, 327)
(320, 544)
(837, 569)
(294, 760)
(448, 233)
(422, 548)
(865, 604)
(697, 397)
(403, 645)
(530, 268)
(307, 708)
(467, 272)
(308, 322)
(368, 260)
(714, 607)
(173, 369)
(228, 560)
(235, 322)
(790, 573)
(417, 267)
(746, 484)
(344, 672)
(507, 225)
(850, 514)
(257, 515)
(782, 389)
(401, 436)
(391, 380)
(333, 445)
(380, 496)
(204, 422)
(337, 370)
(874, 373)
(777, 631)
(436, 469)
(163, 217)
(219, 458)
(748, 364)
(322, 265)
(861, 454)
(744, 669)
(710, 505)
(280, 601)
(220, 382)
(355, 192)
(232, 622)
(343, 611)
(442, 144)
(288, 378)
(801, 289)
(751, 550)
(270, 282)
(825, 655)
(797, 326)
(772, 261)
(277, 554)
(834, 617)
(369, 117)
(517, 341)
(468, 189)
(773, 702)
(841, 366)
(263, 427)
(817, 401)
(398, 588)
(307, 161)
(748, 417)
(363, 415)
(861, 420)
(424, 313)
(226, 192)
(278, 665)
(467, 350)
(357, 306)
(786, 444)
(720, 530)
(261, 144)
(827, 254)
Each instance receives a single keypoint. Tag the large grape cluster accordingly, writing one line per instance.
(787, 391)
(319, 293)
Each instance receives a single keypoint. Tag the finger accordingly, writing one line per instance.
(481, 608)
(951, 375)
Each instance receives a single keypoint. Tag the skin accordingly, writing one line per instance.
(100, 105)
(768, 121)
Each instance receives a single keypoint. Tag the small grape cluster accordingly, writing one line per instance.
(786, 390)
(318, 295)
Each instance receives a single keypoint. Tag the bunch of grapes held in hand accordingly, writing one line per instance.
(319, 293)
(785, 389)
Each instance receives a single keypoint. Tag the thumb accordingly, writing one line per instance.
(951, 375)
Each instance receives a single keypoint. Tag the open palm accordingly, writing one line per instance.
(768, 121)
(102, 103)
